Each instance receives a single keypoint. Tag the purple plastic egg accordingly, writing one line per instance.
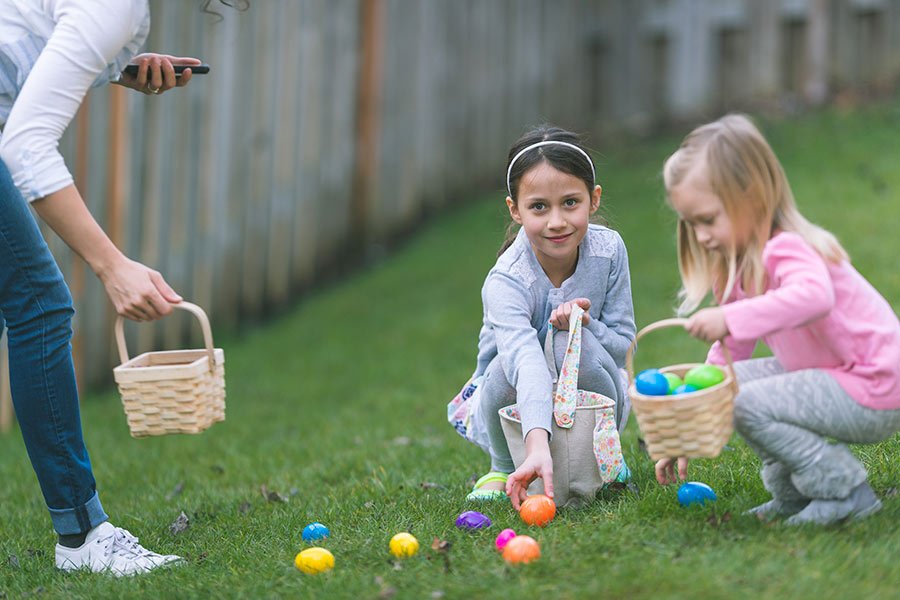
(472, 519)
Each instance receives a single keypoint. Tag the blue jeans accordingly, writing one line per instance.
(37, 308)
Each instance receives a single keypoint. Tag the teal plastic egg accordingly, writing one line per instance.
(685, 389)
(651, 382)
(704, 376)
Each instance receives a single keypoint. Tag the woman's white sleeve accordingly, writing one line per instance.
(87, 37)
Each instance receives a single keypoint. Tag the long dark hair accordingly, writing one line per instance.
(563, 158)
(240, 5)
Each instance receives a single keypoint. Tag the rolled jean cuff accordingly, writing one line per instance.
(81, 519)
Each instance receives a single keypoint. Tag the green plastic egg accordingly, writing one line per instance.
(674, 381)
(704, 376)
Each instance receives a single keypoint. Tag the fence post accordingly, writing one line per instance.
(815, 87)
(368, 114)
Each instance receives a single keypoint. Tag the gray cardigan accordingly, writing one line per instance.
(518, 298)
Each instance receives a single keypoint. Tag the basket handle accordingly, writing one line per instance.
(629, 357)
(192, 308)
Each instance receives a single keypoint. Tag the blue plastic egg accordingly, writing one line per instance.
(695, 492)
(315, 531)
(685, 388)
(651, 382)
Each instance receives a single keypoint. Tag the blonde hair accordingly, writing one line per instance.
(745, 175)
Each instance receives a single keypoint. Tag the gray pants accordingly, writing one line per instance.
(786, 418)
(597, 372)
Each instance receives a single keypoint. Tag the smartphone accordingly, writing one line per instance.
(195, 69)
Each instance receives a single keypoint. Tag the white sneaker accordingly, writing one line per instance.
(111, 549)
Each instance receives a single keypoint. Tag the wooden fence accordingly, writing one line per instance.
(326, 126)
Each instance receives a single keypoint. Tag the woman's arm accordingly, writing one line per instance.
(136, 291)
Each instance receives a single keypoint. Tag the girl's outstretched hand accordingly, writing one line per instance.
(708, 324)
(156, 73)
(559, 318)
(538, 463)
(665, 470)
(137, 291)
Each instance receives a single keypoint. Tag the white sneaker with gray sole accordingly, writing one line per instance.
(113, 550)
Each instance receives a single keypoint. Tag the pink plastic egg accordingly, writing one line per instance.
(503, 539)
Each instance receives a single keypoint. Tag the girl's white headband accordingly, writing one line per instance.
(547, 143)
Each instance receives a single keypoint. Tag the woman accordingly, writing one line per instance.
(51, 52)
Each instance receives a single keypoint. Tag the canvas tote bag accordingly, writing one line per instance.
(585, 445)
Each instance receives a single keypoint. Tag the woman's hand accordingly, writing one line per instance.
(138, 292)
(538, 463)
(665, 470)
(559, 318)
(708, 324)
(156, 73)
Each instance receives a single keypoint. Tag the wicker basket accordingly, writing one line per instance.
(181, 391)
(693, 424)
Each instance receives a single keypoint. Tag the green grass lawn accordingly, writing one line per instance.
(339, 406)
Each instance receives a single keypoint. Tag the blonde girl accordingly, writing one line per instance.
(835, 373)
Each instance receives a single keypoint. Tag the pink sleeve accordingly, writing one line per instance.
(800, 291)
(740, 350)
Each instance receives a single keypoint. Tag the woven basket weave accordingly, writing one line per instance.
(692, 425)
(180, 391)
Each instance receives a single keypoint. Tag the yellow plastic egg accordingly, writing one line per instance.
(404, 545)
(314, 560)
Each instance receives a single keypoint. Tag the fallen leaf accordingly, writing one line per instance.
(890, 492)
(271, 496)
(715, 520)
(179, 487)
(13, 561)
(219, 469)
(388, 592)
(180, 524)
(244, 508)
(430, 485)
(440, 545)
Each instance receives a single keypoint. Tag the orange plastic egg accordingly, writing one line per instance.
(521, 549)
(538, 510)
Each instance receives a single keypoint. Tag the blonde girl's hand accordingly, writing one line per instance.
(559, 318)
(537, 463)
(708, 324)
(156, 73)
(665, 470)
(137, 291)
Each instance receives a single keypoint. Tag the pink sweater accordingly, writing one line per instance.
(819, 315)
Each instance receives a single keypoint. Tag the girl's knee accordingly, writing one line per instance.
(749, 406)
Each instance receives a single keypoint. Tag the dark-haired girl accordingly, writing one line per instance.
(555, 260)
